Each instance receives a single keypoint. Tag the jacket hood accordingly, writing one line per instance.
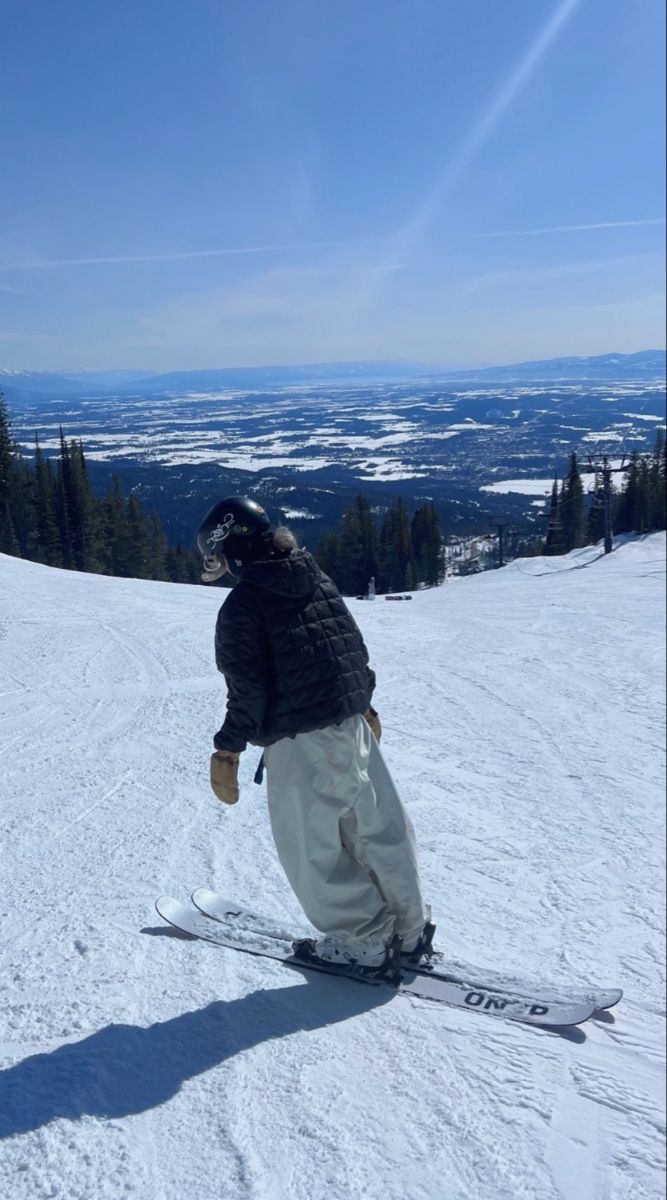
(296, 575)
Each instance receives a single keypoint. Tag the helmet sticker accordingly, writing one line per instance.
(221, 531)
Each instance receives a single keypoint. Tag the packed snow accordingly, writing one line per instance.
(523, 721)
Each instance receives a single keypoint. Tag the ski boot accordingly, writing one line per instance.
(382, 965)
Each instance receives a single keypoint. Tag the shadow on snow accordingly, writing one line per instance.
(127, 1069)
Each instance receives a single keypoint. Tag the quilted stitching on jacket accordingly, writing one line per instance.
(291, 652)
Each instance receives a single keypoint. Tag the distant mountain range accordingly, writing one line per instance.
(70, 383)
(645, 365)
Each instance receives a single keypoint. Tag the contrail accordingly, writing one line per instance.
(484, 127)
(505, 233)
(43, 263)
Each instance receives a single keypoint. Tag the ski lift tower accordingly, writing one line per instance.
(605, 470)
(502, 525)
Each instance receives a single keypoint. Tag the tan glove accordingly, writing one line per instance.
(225, 775)
(374, 721)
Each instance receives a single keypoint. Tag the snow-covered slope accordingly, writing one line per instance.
(523, 715)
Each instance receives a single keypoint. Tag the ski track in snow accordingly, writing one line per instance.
(523, 718)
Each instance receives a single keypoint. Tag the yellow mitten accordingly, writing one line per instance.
(225, 775)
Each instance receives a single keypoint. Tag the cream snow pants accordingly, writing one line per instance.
(342, 835)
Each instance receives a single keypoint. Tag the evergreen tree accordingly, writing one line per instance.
(554, 539)
(8, 458)
(177, 564)
(402, 556)
(136, 563)
(157, 549)
(427, 544)
(368, 561)
(328, 554)
(627, 504)
(403, 545)
(45, 541)
(410, 575)
(56, 519)
(595, 522)
(390, 579)
(81, 511)
(22, 504)
(113, 537)
(15, 492)
(642, 521)
(193, 569)
(63, 503)
(657, 488)
(351, 553)
(395, 552)
(9, 542)
(640, 507)
(572, 507)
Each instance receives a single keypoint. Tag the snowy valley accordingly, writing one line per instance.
(523, 715)
(478, 449)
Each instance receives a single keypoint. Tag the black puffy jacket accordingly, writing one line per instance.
(291, 652)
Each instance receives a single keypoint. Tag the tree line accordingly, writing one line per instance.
(638, 506)
(48, 514)
(397, 552)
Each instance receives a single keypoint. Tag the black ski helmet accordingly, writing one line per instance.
(236, 528)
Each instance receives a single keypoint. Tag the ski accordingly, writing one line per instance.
(190, 919)
(224, 910)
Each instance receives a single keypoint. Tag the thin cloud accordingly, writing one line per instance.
(282, 293)
(485, 126)
(526, 276)
(44, 263)
(508, 233)
(406, 237)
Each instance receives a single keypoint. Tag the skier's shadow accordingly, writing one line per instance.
(127, 1069)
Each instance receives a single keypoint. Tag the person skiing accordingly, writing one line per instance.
(299, 685)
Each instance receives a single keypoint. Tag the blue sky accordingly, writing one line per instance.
(228, 182)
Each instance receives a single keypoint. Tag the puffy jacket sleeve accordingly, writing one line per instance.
(241, 654)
